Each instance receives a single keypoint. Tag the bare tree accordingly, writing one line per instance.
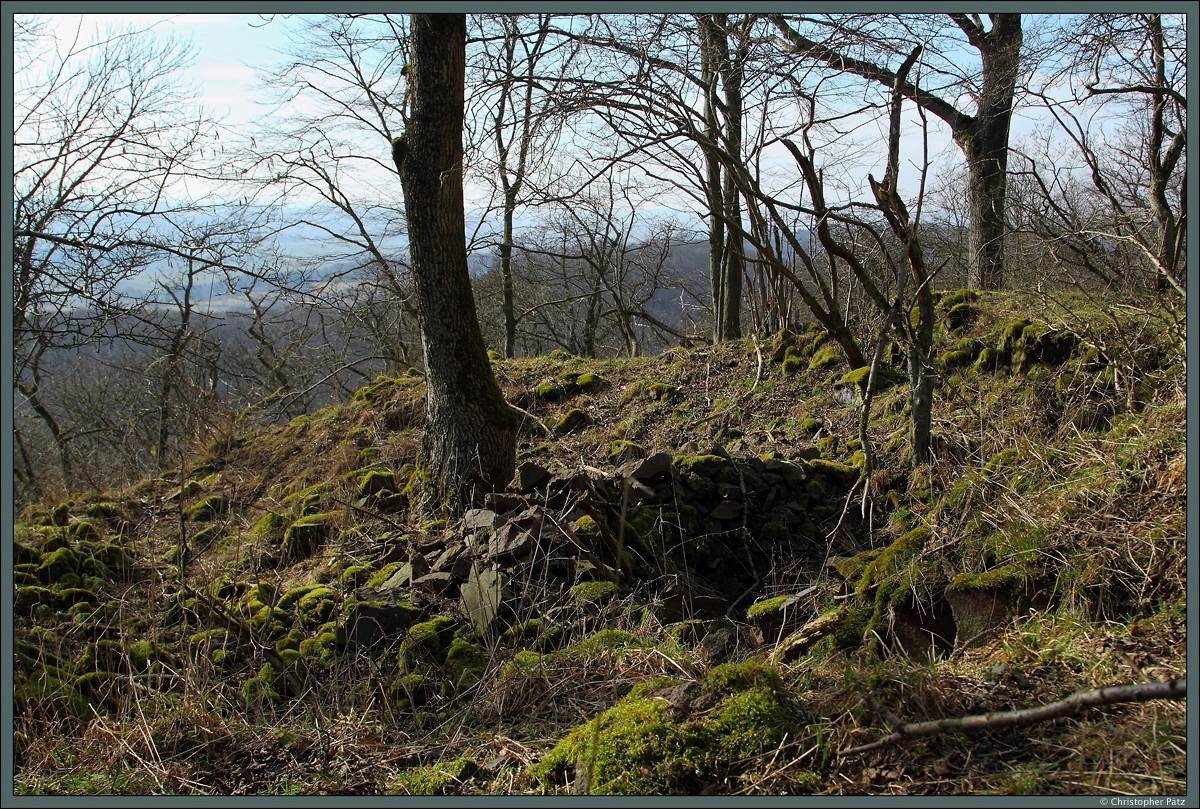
(113, 174)
(1126, 117)
(520, 71)
(982, 135)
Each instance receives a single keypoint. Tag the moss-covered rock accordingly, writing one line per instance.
(827, 356)
(591, 383)
(306, 535)
(375, 482)
(706, 466)
(207, 508)
(646, 745)
(571, 420)
(660, 391)
(594, 592)
(621, 451)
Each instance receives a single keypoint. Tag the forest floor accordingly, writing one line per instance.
(691, 588)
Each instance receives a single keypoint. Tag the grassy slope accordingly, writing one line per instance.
(1069, 477)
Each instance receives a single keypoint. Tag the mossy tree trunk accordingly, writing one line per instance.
(469, 446)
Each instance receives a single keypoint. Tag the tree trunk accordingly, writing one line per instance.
(508, 303)
(984, 141)
(734, 261)
(469, 446)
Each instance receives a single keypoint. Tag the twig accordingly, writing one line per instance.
(1109, 695)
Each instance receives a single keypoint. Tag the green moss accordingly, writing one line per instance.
(661, 390)
(590, 383)
(380, 577)
(376, 482)
(376, 391)
(444, 778)
(767, 606)
(960, 316)
(606, 640)
(956, 359)
(585, 526)
(207, 508)
(706, 466)
(638, 748)
(550, 392)
(426, 640)
(621, 451)
(262, 689)
(60, 514)
(809, 426)
(845, 474)
(997, 578)
(355, 575)
(268, 525)
(827, 356)
(793, 361)
(1003, 458)
(594, 591)
(466, 662)
(58, 563)
(828, 446)
(559, 354)
(893, 557)
(572, 419)
(305, 536)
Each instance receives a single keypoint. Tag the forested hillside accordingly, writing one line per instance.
(686, 589)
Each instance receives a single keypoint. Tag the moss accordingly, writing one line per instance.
(58, 563)
(380, 577)
(305, 536)
(767, 606)
(376, 482)
(960, 316)
(590, 383)
(996, 578)
(375, 392)
(706, 466)
(586, 526)
(832, 470)
(639, 748)
(956, 359)
(355, 575)
(660, 391)
(989, 361)
(594, 591)
(893, 557)
(262, 689)
(809, 426)
(268, 525)
(444, 778)
(792, 361)
(828, 446)
(550, 392)
(571, 420)
(827, 356)
(621, 451)
(426, 640)
(466, 662)
(107, 511)
(606, 640)
(207, 508)
(309, 500)
(190, 488)
(559, 354)
(60, 514)
(1003, 458)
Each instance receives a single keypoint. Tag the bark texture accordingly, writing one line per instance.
(469, 447)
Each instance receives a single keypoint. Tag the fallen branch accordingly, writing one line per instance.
(1109, 695)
